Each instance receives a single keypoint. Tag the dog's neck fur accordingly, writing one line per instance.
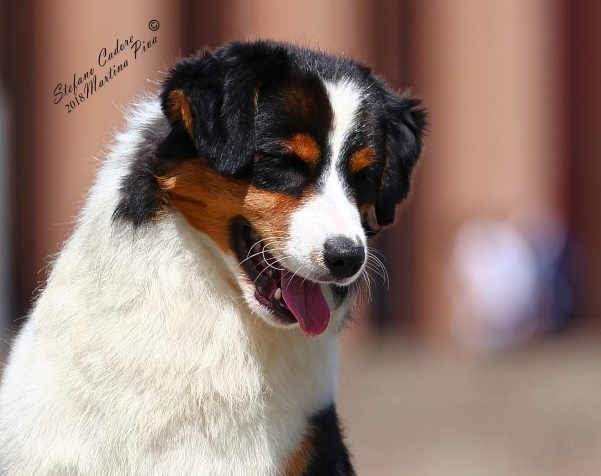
(124, 305)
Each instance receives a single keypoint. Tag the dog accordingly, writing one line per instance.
(189, 324)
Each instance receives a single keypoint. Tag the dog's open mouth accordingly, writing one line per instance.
(291, 298)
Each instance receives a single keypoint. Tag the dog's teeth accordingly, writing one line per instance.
(278, 294)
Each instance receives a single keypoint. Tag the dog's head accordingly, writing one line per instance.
(289, 160)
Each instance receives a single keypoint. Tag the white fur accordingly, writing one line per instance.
(140, 358)
(331, 212)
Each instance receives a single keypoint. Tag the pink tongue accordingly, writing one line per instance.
(305, 300)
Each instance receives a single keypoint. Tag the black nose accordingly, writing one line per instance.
(342, 256)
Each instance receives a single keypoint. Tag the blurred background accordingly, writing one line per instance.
(481, 353)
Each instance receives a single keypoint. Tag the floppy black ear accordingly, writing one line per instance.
(402, 123)
(213, 99)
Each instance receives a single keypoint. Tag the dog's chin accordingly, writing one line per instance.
(280, 297)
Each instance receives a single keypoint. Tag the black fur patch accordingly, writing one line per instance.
(245, 100)
(364, 186)
(402, 123)
(140, 194)
(296, 105)
(221, 89)
(341, 292)
(330, 454)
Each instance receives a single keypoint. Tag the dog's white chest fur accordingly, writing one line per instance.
(139, 359)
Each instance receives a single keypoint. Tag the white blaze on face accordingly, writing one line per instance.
(331, 212)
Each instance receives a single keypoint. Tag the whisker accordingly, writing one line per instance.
(248, 255)
(376, 251)
(258, 275)
(295, 273)
(375, 269)
(266, 247)
(365, 287)
(370, 281)
(377, 266)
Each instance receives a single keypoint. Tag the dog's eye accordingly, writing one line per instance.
(285, 174)
(361, 177)
(364, 186)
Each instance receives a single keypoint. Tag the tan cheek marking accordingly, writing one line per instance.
(179, 110)
(301, 458)
(362, 159)
(270, 213)
(208, 200)
(304, 147)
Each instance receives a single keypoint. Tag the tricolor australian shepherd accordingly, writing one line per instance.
(189, 325)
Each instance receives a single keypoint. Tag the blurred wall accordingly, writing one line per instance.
(512, 93)
(492, 74)
(583, 71)
(58, 141)
(6, 301)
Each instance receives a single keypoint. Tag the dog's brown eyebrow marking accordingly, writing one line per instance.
(304, 147)
(179, 109)
(362, 159)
